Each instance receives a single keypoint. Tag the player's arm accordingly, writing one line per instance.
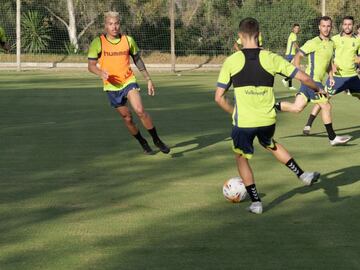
(289, 70)
(297, 59)
(93, 68)
(222, 101)
(308, 81)
(330, 71)
(223, 84)
(93, 55)
(139, 63)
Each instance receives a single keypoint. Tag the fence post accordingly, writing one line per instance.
(172, 34)
(18, 35)
(323, 7)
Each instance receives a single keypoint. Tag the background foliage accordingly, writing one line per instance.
(202, 27)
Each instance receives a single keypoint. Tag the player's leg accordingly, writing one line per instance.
(338, 87)
(354, 86)
(131, 126)
(295, 107)
(135, 100)
(327, 120)
(265, 137)
(314, 112)
(118, 101)
(243, 147)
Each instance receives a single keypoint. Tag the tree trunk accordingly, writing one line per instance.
(72, 26)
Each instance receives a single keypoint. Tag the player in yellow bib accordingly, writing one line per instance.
(320, 52)
(347, 47)
(109, 58)
(291, 47)
(251, 71)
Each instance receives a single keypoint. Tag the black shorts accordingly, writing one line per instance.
(243, 139)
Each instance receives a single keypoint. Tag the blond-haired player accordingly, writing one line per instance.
(109, 58)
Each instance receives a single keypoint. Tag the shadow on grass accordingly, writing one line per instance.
(199, 143)
(329, 183)
(355, 134)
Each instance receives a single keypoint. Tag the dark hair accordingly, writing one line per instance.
(348, 18)
(325, 18)
(296, 24)
(249, 26)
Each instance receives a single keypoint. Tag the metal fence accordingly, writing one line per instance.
(168, 32)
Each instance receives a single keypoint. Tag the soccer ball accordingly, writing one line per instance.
(234, 190)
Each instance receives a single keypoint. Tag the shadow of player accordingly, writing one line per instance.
(355, 134)
(329, 183)
(199, 143)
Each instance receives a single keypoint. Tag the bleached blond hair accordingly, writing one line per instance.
(111, 14)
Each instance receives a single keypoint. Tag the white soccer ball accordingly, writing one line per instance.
(234, 190)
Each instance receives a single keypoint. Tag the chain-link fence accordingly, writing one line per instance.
(205, 30)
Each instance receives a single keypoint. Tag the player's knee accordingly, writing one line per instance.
(140, 112)
(127, 118)
(325, 106)
(298, 108)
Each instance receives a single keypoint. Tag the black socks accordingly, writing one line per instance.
(294, 167)
(140, 138)
(254, 196)
(154, 135)
(330, 131)
(310, 120)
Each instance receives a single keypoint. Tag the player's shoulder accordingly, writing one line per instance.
(234, 57)
(270, 57)
(129, 38)
(96, 39)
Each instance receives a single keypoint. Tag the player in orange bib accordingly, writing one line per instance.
(109, 58)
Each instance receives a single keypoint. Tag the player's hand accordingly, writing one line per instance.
(330, 90)
(104, 75)
(357, 60)
(331, 82)
(323, 93)
(334, 68)
(151, 88)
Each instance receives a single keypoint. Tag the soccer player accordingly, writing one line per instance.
(291, 48)
(253, 112)
(320, 52)
(3, 41)
(347, 47)
(357, 34)
(238, 44)
(109, 58)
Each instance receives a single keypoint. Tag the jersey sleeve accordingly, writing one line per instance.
(293, 37)
(308, 47)
(224, 80)
(94, 49)
(134, 49)
(284, 67)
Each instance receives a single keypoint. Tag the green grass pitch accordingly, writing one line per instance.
(76, 192)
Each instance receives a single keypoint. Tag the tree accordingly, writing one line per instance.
(35, 36)
(78, 16)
